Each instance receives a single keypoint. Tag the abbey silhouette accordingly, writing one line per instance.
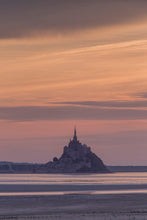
(76, 157)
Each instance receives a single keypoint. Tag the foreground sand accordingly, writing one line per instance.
(75, 207)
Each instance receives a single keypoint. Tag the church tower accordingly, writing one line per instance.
(75, 135)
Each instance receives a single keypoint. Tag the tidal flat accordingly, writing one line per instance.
(75, 207)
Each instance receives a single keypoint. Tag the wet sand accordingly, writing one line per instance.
(75, 207)
(66, 187)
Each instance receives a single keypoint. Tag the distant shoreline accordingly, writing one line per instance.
(30, 168)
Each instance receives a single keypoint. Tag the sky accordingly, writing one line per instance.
(73, 62)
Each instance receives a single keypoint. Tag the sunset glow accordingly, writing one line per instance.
(72, 63)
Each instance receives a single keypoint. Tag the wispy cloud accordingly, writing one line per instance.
(113, 104)
(35, 113)
(24, 18)
(143, 95)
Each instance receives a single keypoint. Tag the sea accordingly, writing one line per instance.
(60, 184)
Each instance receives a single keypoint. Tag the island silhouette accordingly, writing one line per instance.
(76, 158)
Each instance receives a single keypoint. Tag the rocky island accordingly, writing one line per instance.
(76, 158)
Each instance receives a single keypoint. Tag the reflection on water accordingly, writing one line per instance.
(100, 179)
(117, 179)
(74, 192)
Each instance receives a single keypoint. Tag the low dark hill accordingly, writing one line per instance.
(10, 167)
(128, 168)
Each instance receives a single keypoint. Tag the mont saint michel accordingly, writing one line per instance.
(76, 158)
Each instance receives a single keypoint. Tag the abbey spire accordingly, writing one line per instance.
(75, 135)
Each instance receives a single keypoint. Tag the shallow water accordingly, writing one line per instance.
(58, 180)
(79, 179)
(136, 191)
